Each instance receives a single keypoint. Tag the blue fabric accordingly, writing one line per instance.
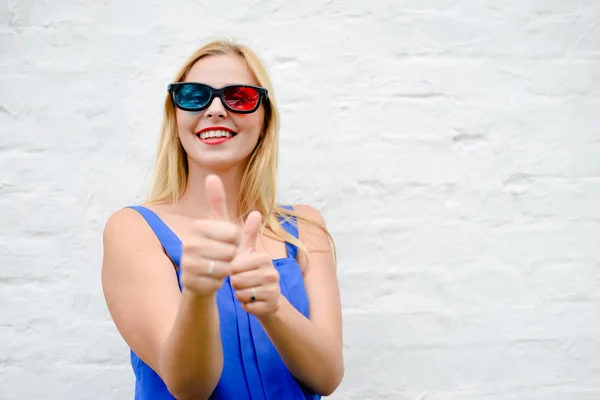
(253, 369)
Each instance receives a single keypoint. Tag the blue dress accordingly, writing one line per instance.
(252, 369)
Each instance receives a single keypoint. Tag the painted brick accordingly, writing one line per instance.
(452, 146)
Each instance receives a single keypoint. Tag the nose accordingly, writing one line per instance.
(216, 110)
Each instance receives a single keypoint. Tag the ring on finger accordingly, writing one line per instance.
(211, 267)
(253, 296)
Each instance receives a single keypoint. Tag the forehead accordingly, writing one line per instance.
(219, 71)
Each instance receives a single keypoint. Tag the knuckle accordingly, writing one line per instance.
(201, 245)
(226, 270)
(231, 251)
(189, 283)
(186, 262)
(267, 262)
(199, 226)
(272, 276)
(192, 247)
(233, 232)
(185, 280)
(237, 238)
(187, 247)
(274, 290)
(217, 283)
(225, 230)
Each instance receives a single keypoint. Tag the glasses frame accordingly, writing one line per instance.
(214, 93)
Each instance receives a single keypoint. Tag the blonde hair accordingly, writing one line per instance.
(258, 186)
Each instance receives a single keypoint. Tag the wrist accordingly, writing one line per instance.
(198, 299)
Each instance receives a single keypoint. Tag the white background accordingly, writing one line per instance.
(452, 146)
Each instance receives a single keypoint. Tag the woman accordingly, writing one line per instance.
(210, 282)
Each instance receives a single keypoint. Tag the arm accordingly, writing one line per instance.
(312, 349)
(176, 334)
(191, 357)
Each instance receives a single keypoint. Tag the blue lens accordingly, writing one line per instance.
(193, 96)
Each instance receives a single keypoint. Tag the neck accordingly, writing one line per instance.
(194, 201)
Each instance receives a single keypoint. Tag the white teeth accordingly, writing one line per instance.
(212, 134)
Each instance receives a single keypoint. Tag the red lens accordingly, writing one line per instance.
(241, 98)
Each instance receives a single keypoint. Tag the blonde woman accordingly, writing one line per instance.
(220, 292)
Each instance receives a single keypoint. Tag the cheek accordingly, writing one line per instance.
(185, 121)
(251, 122)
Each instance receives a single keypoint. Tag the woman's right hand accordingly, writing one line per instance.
(207, 253)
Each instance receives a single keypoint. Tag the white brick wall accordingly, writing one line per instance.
(455, 154)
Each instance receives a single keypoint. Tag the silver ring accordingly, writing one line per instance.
(211, 267)
(253, 298)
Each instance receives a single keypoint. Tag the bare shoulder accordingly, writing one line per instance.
(127, 225)
(313, 233)
(312, 228)
(309, 212)
(127, 237)
(121, 221)
(139, 283)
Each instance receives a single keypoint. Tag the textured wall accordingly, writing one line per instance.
(453, 147)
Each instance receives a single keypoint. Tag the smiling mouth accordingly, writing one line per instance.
(216, 134)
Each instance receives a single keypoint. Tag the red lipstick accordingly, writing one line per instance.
(214, 135)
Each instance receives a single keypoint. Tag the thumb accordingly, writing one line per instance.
(251, 231)
(215, 193)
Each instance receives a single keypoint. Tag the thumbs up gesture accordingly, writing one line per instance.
(206, 256)
(254, 277)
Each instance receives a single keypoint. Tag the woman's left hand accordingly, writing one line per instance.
(254, 276)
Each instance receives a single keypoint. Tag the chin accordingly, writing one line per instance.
(221, 157)
(217, 162)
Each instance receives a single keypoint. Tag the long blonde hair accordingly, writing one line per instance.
(258, 186)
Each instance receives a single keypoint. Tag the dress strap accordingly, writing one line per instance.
(290, 224)
(169, 241)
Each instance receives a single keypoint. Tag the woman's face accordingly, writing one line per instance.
(202, 133)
